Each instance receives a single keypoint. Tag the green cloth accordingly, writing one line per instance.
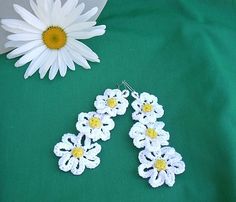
(184, 52)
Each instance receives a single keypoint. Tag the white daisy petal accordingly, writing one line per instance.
(53, 70)
(14, 44)
(36, 63)
(62, 64)
(67, 59)
(28, 17)
(55, 20)
(19, 25)
(12, 30)
(87, 35)
(69, 6)
(24, 48)
(24, 37)
(74, 14)
(80, 26)
(84, 50)
(39, 12)
(30, 56)
(51, 60)
(78, 59)
(88, 15)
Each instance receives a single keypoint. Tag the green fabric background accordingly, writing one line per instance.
(182, 51)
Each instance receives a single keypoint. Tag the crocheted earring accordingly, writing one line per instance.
(159, 162)
(78, 152)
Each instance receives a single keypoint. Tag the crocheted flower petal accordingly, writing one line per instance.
(146, 97)
(145, 170)
(92, 162)
(69, 138)
(157, 179)
(93, 150)
(106, 135)
(78, 167)
(137, 129)
(66, 161)
(152, 145)
(62, 148)
(146, 157)
(178, 167)
(109, 93)
(159, 111)
(170, 178)
(100, 102)
(159, 125)
(136, 105)
(140, 141)
(108, 123)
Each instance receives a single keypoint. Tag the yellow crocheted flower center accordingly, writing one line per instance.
(160, 164)
(150, 132)
(54, 37)
(112, 102)
(95, 122)
(77, 152)
(147, 108)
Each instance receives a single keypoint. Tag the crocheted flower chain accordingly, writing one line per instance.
(159, 162)
(78, 152)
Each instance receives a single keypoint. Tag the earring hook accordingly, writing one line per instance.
(128, 86)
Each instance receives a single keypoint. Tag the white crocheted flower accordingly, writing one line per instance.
(95, 126)
(77, 152)
(147, 110)
(113, 102)
(48, 39)
(160, 166)
(150, 135)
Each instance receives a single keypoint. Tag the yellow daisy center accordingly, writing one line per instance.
(95, 122)
(77, 152)
(160, 164)
(147, 108)
(54, 37)
(112, 102)
(150, 132)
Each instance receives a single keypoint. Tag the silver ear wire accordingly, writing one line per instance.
(134, 94)
(128, 86)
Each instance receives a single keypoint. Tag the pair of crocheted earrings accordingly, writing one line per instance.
(159, 162)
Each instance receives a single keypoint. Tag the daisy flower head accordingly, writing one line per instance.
(151, 136)
(77, 153)
(50, 38)
(160, 166)
(95, 126)
(147, 110)
(112, 102)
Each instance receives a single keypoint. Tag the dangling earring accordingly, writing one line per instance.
(78, 152)
(159, 162)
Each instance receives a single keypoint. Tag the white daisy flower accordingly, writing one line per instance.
(113, 102)
(151, 135)
(95, 126)
(147, 110)
(48, 39)
(160, 166)
(77, 153)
